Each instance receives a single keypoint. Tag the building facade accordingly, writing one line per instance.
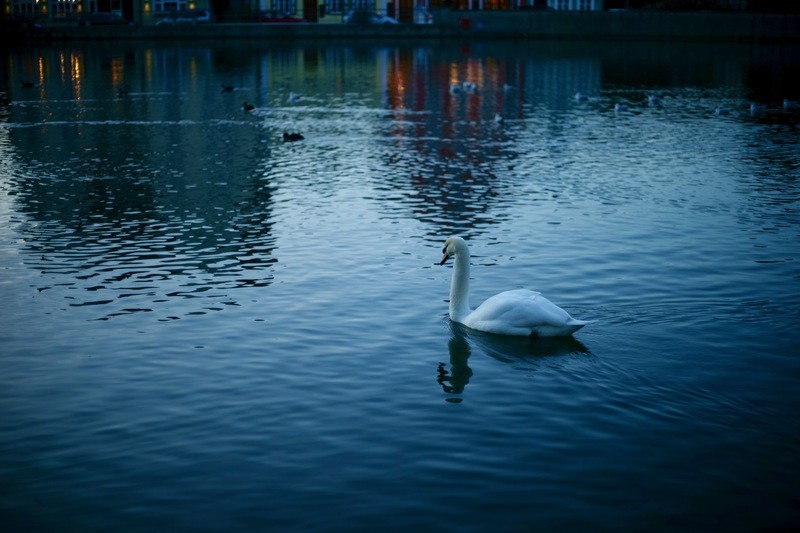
(133, 11)
(320, 11)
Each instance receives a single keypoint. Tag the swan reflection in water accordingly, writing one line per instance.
(524, 352)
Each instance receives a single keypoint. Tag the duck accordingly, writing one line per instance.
(620, 107)
(498, 118)
(290, 137)
(519, 312)
(27, 84)
(247, 107)
(226, 88)
(580, 97)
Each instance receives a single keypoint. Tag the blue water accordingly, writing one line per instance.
(207, 328)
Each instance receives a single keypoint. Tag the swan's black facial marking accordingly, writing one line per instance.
(445, 256)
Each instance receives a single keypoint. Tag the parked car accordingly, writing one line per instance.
(278, 17)
(188, 16)
(367, 17)
(101, 18)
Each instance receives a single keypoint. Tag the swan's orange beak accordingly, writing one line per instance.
(445, 257)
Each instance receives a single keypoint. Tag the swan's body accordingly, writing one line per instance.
(519, 312)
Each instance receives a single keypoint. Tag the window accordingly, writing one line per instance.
(334, 6)
(168, 6)
(285, 7)
(63, 8)
(24, 7)
(345, 6)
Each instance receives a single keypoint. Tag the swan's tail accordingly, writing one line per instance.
(574, 324)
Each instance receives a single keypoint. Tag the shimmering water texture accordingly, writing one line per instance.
(209, 325)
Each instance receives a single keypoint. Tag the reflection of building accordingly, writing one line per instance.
(145, 190)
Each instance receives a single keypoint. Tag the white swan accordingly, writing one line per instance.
(519, 312)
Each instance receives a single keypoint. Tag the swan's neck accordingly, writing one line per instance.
(459, 288)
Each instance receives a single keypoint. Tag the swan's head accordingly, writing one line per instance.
(452, 247)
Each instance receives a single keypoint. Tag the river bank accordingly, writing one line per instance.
(626, 25)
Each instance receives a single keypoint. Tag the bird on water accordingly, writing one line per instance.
(519, 312)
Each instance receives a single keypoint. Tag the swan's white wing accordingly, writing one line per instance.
(522, 312)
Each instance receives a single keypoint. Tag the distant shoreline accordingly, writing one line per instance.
(451, 24)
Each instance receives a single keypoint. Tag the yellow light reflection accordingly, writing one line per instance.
(40, 70)
(76, 72)
(148, 65)
(62, 66)
(117, 72)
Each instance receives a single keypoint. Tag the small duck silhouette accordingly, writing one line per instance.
(27, 84)
(290, 137)
(226, 88)
(247, 107)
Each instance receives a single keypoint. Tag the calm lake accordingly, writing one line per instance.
(207, 328)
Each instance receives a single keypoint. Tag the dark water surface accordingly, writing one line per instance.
(206, 328)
